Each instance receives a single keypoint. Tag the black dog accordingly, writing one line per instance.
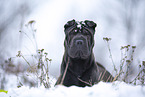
(78, 66)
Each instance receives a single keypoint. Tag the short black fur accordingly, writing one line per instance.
(82, 69)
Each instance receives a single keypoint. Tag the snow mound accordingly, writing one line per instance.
(102, 89)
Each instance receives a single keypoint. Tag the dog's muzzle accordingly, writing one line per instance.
(79, 47)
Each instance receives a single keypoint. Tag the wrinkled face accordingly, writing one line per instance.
(79, 39)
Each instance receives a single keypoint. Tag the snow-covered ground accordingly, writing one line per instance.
(115, 89)
(50, 19)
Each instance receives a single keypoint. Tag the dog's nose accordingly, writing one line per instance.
(79, 42)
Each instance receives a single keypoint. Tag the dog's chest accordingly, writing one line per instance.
(82, 79)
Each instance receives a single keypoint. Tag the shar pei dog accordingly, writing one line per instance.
(78, 66)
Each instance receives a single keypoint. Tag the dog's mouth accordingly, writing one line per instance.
(79, 54)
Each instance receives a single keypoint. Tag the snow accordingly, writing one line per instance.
(50, 18)
(102, 89)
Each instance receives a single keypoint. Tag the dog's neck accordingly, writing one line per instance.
(79, 66)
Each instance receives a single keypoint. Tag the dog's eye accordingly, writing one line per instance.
(69, 37)
(88, 35)
(85, 32)
(74, 32)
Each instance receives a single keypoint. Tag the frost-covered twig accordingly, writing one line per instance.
(107, 40)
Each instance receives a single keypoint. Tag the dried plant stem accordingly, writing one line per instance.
(108, 78)
(64, 74)
(90, 84)
(26, 61)
(100, 76)
(111, 57)
(103, 75)
(137, 76)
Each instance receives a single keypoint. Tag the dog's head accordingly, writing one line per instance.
(79, 39)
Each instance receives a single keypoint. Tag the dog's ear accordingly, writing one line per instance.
(69, 24)
(90, 24)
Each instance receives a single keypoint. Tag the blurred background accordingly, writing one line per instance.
(29, 25)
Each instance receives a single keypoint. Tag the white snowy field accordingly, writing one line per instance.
(102, 89)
